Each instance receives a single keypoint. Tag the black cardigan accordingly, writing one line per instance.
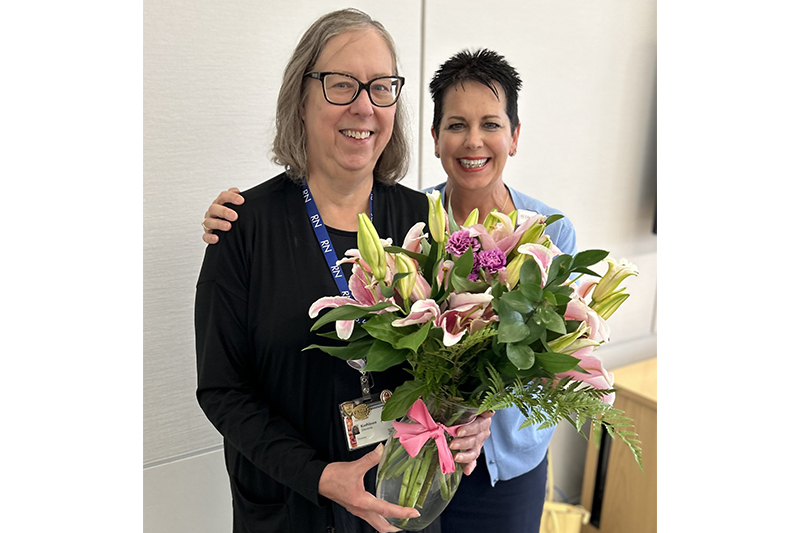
(275, 406)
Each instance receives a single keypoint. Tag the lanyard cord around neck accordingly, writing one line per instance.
(325, 244)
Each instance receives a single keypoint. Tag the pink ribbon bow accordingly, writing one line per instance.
(413, 436)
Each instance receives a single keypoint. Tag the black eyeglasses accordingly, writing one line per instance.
(343, 89)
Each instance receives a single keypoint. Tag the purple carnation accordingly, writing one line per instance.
(491, 260)
(459, 241)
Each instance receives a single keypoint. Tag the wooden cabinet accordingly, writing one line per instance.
(622, 498)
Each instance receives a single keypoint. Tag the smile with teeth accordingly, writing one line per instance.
(356, 134)
(473, 163)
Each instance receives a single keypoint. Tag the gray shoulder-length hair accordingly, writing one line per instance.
(289, 145)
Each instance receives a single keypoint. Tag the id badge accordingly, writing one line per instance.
(523, 215)
(362, 421)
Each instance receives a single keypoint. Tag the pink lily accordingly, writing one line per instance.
(585, 286)
(363, 295)
(414, 237)
(598, 377)
(598, 328)
(502, 235)
(421, 311)
(443, 273)
(462, 310)
(541, 254)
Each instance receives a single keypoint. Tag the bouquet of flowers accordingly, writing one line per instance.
(484, 316)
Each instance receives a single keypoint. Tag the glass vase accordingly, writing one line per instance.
(418, 481)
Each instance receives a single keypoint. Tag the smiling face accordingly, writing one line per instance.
(475, 137)
(348, 139)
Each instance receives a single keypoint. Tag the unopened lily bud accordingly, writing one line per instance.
(617, 271)
(436, 216)
(404, 264)
(532, 234)
(370, 248)
(512, 270)
(606, 307)
(572, 342)
(472, 219)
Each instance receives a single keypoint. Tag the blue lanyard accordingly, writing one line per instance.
(324, 239)
(326, 246)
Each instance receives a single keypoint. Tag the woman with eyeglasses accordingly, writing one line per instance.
(475, 130)
(286, 414)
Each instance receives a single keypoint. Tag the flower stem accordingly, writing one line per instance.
(404, 486)
(388, 462)
(421, 475)
(392, 467)
(426, 486)
(444, 490)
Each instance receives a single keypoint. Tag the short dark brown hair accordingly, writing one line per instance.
(484, 66)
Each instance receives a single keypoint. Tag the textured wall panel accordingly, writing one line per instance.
(188, 496)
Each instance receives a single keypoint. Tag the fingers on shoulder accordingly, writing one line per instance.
(222, 212)
(231, 196)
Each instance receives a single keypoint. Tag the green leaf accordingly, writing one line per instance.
(553, 218)
(357, 334)
(418, 257)
(348, 312)
(498, 289)
(561, 298)
(382, 356)
(512, 327)
(381, 328)
(584, 270)
(414, 340)
(387, 291)
(588, 258)
(536, 331)
(521, 355)
(531, 291)
(354, 350)
(529, 273)
(463, 265)
(403, 398)
(556, 362)
(462, 284)
(426, 248)
(518, 301)
(432, 260)
(451, 220)
(547, 317)
(558, 271)
(398, 276)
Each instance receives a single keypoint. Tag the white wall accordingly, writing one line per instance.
(211, 75)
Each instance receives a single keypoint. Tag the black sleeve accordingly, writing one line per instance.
(227, 390)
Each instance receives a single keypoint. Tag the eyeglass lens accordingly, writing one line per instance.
(342, 89)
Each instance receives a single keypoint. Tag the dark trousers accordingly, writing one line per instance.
(513, 506)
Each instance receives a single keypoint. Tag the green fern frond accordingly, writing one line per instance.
(545, 403)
